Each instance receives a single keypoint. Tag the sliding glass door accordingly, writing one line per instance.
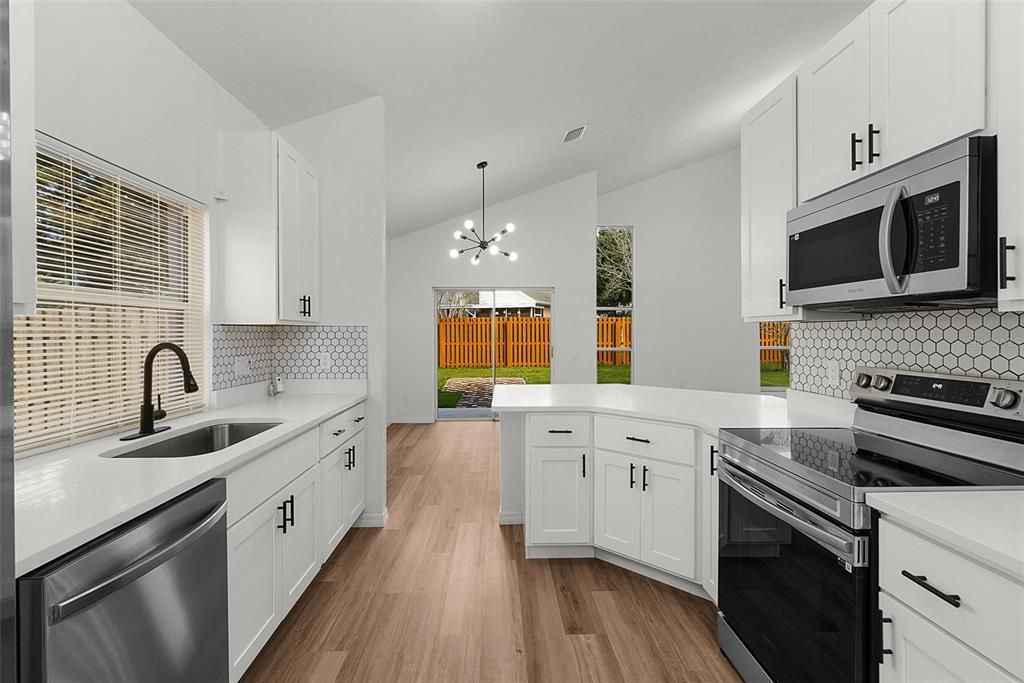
(487, 337)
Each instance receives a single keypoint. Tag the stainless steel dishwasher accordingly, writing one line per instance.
(145, 602)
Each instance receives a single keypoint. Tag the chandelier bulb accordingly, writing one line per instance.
(468, 224)
(454, 253)
(497, 238)
(513, 256)
(475, 260)
(510, 227)
(457, 234)
(493, 249)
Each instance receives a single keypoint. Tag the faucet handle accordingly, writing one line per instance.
(159, 413)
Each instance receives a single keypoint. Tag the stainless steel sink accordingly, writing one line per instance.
(198, 440)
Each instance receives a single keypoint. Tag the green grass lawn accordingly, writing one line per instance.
(773, 375)
(606, 374)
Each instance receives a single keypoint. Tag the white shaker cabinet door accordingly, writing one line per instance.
(354, 498)
(832, 112)
(617, 503)
(668, 517)
(300, 560)
(927, 75)
(767, 192)
(560, 502)
(254, 577)
(709, 517)
(922, 652)
(332, 508)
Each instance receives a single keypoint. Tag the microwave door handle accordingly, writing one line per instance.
(830, 541)
(895, 283)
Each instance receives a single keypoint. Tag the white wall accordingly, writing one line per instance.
(687, 329)
(108, 82)
(347, 146)
(555, 242)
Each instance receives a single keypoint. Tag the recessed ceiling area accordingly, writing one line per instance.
(658, 84)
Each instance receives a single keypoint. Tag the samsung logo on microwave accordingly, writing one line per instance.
(932, 198)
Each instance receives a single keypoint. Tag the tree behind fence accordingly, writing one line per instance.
(519, 342)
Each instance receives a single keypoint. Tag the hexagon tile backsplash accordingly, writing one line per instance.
(979, 342)
(293, 351)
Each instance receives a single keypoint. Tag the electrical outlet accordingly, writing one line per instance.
(242, 366)
(832, 371)
(326, 361)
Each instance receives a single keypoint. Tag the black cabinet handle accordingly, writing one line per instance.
(350, 452)
(305, 306)
(643, 479)
(922, 581)
(338, 432)
(283, 507)
(1003, 277)
(359, 419)
(782, 293)
(632, 475)
(291, 509)
(714, 452)
(880, 642)
(559, 431)
(353, 457)
(637, 439)
(584, 465)
(872, 132)
(854, 141)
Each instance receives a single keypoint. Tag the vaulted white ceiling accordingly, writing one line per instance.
(659, 84)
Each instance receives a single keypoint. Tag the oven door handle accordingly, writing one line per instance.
(831, 541)
(897, 284)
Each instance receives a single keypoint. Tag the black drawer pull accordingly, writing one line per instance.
(584, 465)
(338, 432)
(632, 475)
(782, 293)
(637, 439)
(358, 420)
(922, 581)
(559, 431)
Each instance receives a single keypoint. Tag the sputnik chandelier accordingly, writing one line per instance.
(479, 241)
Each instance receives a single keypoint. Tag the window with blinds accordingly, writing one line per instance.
(121, 266)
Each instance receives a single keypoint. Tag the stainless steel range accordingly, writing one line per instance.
(797, 586)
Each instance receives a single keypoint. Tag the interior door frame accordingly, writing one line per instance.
(551, 352)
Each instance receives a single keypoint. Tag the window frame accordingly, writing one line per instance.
(631, 308)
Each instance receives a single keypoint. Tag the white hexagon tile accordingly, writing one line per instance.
(244, 354)
(980, 342)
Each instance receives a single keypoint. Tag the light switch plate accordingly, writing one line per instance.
(242, 366)
(326, 361)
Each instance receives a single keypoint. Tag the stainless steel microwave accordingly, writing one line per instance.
(918, 235)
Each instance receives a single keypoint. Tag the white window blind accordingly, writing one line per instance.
(121, 266)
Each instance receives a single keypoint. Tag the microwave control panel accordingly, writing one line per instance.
(936, 223)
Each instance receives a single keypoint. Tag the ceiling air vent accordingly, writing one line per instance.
(574, 134)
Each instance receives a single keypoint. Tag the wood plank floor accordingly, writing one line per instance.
(443, 593)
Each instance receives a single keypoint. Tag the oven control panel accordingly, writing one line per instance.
(979, 395)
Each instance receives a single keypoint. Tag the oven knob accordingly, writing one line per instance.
(1005, 399)
(863, 380)
(881, 382)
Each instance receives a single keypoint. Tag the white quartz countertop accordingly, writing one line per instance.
(985, 525)
(69, 496)
(705, 410)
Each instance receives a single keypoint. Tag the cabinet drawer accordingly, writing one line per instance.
(671, 443)
(559, 429)
(255, 482)
(991, 605)
(340, 428)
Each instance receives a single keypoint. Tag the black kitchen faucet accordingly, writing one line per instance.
(148, 414)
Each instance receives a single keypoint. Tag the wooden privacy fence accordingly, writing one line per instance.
(775, 343)
(519, 342)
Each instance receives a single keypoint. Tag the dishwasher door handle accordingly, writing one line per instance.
(136, 570)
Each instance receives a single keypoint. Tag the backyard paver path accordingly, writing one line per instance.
(477, 391)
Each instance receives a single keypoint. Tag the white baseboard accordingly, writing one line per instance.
(652, 573)
(410, 420)
(372, 519)
(510, 518)
(558, 552)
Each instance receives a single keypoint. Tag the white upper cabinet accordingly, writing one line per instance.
(267, 245)
(767, 192)
(1008, 28)
(23, 154)
(927, 75)
(904, 77)
(832, 111)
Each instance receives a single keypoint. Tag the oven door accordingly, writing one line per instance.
(908, 238)
(792, 585)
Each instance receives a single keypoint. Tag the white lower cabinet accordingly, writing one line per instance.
(921, 651)
(616, 503)
(709, 517)
(355, 481)
(342, 492)
(646, 510)
(272, 559)
(254, 577)
(559, 508)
